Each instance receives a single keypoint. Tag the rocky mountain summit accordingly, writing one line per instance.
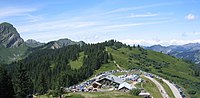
(33, 43)
(61, 43)
(9, 37)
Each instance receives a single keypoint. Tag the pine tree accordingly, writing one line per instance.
(43, 85)
(23, 84)
(111, 57)
(134, 46)
(6, 87)
(105, 58)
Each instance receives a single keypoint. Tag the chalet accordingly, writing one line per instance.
(110, 80)
(125, 87)
(96, 84)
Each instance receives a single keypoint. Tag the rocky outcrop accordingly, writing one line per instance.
(9, 37)
(65, 42)
(33, 43)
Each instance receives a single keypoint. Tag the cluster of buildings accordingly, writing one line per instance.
(106, 81)
(131, 77)
(112, 81)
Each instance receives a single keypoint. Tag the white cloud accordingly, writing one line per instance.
(46, 30)
(188, 34)
(125, 9)
(15, 11)
(55, 29)
(143, 15)
(133, 24)
(191, 16)
(32, 18)
(54, 25)
(161, 42)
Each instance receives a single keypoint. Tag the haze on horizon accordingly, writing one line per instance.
(130, 21)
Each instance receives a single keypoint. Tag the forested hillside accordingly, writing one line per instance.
(49, 69)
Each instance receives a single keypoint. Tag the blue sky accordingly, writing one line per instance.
(145, 22)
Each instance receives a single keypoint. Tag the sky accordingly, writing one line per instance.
(145, 22)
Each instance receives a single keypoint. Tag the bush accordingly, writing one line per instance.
(135, 92)
(54, 93)
(192, 92)
(75, 96)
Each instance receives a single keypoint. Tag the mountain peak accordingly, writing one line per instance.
(33, 43)
(63, 43)
(9, 37)
(6, 24)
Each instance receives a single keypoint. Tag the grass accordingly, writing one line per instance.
(9, 55)
(106, 67)
(176, 66)
(151, 88)
(138, 85)
(111, 94)
(71, 95)
(43, 96)
(120, 73)
(119, 57)
(74, 95)
(166, 87)
(77, 63)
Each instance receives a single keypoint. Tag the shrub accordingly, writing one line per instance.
(192, 92)
(135, 92)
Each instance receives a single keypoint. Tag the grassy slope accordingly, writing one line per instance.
(166, 87)
(177, 70)
(77, 63)
(176, 67)
(7, 55)
(106, 67)
(111, 94)
(151, 88)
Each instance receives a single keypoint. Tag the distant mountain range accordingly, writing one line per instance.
(60, 43)
(189, 51)
(33, 43)
(13, 47)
